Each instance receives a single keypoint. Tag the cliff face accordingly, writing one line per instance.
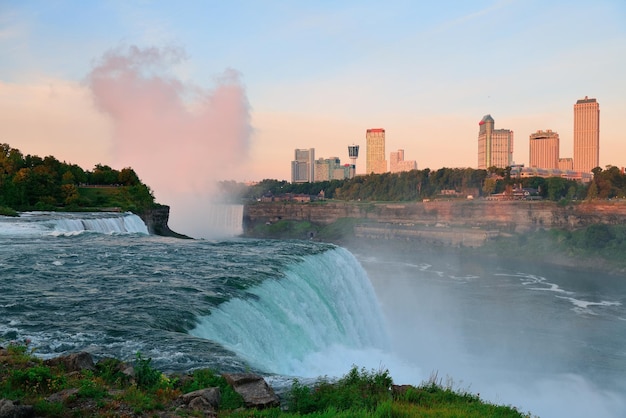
(156, 220)
(454, 222)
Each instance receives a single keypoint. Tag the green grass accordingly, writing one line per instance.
(285, 229)
(362, 393)
(131, 198)
(107, 392)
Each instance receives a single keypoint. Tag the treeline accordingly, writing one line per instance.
(418, 185)
(29, 182)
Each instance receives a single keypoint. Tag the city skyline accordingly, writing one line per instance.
(242, 85)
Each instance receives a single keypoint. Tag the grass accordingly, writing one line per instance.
(107, 392)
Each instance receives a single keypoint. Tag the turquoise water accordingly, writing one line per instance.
(121, 293)
(548, 340)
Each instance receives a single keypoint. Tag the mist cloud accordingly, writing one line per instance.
(180, 138)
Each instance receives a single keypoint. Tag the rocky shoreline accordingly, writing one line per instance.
(253, 389)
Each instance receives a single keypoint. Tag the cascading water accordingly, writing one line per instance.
(224, 220)
(64, 223)
(324, 307)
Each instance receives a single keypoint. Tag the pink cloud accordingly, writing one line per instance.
(178, 137)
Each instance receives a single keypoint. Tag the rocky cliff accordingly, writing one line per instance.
(156, 220)
(455, 222)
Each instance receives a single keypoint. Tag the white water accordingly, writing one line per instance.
(64, 223)
(202, 218)
(320, 319)
(224, 220)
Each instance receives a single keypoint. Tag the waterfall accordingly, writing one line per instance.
(65, 223)
(324, 307)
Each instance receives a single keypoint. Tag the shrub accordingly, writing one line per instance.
(36, 379)
(5, 211)
(358, 390)
(110, 370)
(145, 375)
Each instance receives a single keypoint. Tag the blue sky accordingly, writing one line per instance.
(318, 74)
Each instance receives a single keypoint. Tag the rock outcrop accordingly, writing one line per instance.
(73, 362)
(450, 222)
(156, 220)
(10, 409)
(254, 390)
(204, 401)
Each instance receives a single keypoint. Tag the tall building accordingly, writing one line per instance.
(495, 146)
(586, 135)
(375, 154)
(544, 149)
(397, 163)
(327, 169)
(303, 166)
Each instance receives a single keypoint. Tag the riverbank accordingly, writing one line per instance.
(73, 385)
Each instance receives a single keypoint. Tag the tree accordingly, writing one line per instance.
(69, 193)
(592, 192)
(489, 186)
(128, 177)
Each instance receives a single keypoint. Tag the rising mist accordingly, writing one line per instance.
(180, 138)
(540, 337)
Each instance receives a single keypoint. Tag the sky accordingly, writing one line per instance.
(190, 92)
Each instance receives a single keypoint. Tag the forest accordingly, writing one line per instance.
(29, 182)
(417, 185)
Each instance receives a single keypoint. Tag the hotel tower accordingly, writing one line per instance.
(495, 146)
(544, 149)
(586, 135)
(375, 153)
(303, 166)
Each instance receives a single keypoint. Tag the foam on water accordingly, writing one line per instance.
(68, 224)
(323, 307)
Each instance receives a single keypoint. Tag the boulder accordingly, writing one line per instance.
(10, 409)
(203, 401)
(73, 362)
(254, 390)
(63, 396)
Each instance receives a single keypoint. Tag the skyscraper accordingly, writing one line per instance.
(586, 135)
(375, 154)
(303, 166)
(544, 150)
(495, 146)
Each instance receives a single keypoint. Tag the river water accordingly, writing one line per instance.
(547, 340)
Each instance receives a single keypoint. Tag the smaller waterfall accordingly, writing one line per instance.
(65, 223)
(223, 220)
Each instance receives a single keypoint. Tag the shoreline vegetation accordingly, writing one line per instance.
(596, 246)
(73, 386)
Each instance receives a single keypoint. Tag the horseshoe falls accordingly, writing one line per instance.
(99, 283)
(324, 305)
